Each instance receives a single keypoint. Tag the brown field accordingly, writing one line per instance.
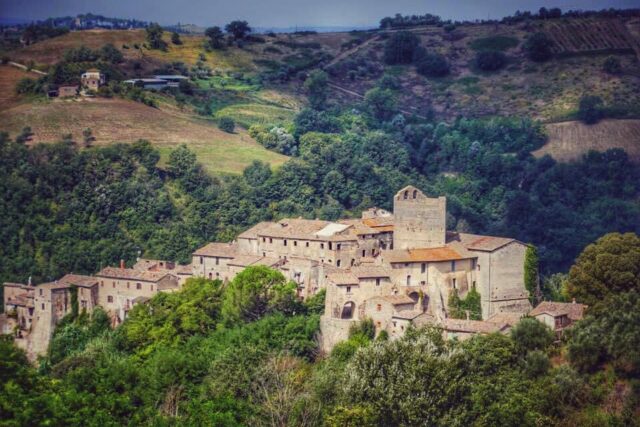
(118, 120)
(9, 77)
(570, 140)
(588, 35)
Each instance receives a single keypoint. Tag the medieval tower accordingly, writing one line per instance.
(420, 221)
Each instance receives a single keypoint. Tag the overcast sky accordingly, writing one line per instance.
(285, 13)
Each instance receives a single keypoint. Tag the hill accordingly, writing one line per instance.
(119, 120)
(570, 140)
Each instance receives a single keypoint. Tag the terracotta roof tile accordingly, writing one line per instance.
(398, 299)
(342, 278)
(79, 280)
(472, 326)
(131, 274)
(574, 311)
(369, 271)
(444, 253)
(218, 249)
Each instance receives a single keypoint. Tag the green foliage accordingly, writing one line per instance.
(539, 47)
(433, 65)
(175, 38)
(227, 124)
(73, 291)
(590, 109)
(500, 43)
(154, 37)
(531, 278)
(471, 303)
(612, 65)
(490, 60)
(364, 328)
(216, 37)
(238, 29)
(400, 48)
(382, 103)
(609, 266)
(255, 292)
(74, 333)
(111, 54)
(529, 335)
(276, 138)
(316, 87)
(315, 303)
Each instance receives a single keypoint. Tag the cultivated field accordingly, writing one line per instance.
(570, 140)
(118, 120)
(9, 77)
(588, 35)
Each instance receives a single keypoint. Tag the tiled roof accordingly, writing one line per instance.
(252, 233)
(218, 249)
(297, 228)
(131, 274)
(505, 318)
(268, 261)
(342, 278)
(79, 280)
(17, 285)
(398, 299)
(574, 311)
(407, 314)
(244, 260)
(184, 269)
(477, 242)
(380, 221)
(23, 300)
(369, 271)
(472, 326)
(54, 285)
(444, 253)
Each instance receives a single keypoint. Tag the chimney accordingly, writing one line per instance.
(122, 263)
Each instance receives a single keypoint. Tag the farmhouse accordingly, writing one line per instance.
(92, 79)
(558, 315)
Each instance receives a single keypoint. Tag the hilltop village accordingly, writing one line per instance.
(397, 269)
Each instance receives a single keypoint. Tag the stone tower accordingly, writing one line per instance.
(419, 221)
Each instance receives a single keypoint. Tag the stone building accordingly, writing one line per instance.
(92, 79)
(398, 268)
(558, 315)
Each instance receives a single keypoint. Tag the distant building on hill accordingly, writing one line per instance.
(92, 79)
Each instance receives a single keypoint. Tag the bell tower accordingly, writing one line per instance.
(419, 221)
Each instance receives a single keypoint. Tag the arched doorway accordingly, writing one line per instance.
(347, 310)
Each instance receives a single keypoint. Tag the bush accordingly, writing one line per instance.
(591, 109)
(500, 43)
(400, 48)
(530, 334)
(227, 124)
(433, 65)
(538, 47)
(490, 60)
(612, 65)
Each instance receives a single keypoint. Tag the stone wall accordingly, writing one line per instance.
(420, 222)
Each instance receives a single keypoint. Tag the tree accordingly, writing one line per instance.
(400, 48)
(87, 137)
(175, 38)
(591, 109)
(433, 65)
(381, 103)
(257, 173)
(216, 37)
(529, 334)
(154, 36)
(238, 29)
(111, 54)
(607, 267)
(612, 65)
(531, 278)
(182, 161)
(490, 60)
(539, 47)
(226, 124)
(255, 292)
(316, 87)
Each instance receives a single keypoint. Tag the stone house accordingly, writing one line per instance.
(92, 79)
(68, 91)
(558, 315)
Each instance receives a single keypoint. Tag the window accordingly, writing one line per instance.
(109, 298)
(307, 244)
(201, 260)
(264, 254)
(379, 307)
(423, 267)
(395, 324)
(330, 246)
(406, 195)
(338, 246)
(113, 285)
(127, 285)
(321, 245)
(353, 261)
(453, 282)
(415, 193)
(379, 324)
(377, 281)
(473, 263)
(138, 285)
(270, 240)
(453, 266)
(264, 240)
(43, 306)
(40, 292)
(373, 252)
(348, 289)
(364, 253)
(338, 263)
(284, 242)
(217, 261)
(295, 243)
(409, 280)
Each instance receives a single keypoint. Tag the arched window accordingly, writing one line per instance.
(406, 194)
(409, 280)
(415, 193)
(347, 310)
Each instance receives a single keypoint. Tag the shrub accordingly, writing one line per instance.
(530, 334)
(227, 124)
(500, 43)
(612, 65)
(433, 65)
(175, 38)
(590, 109)
(538, 47)
(400, 48)
(490, 60)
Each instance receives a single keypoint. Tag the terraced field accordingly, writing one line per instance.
(118, 120)
(588, 35)
(570, 140)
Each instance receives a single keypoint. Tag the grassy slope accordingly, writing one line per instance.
(9, 77)
(118, 120)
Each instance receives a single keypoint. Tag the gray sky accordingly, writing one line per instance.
(286, 13)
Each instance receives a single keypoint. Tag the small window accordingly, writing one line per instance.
(406, 194)
(127, 285)
(338, 263)
(379, 324)
(453, 266)
(138, 286)
(423, 267)
(113, 285)
(377, 281)
(338, 246)
(102, 283)
(307, 244)
(348, 289)
(109, 298)
(453, 282)
(379, 307)
(284, 242)
(409, 280)
(264, 254)
(264, 240)
(295, 243)
(270, 240)
(415, 193)
(201, 260)
(321, 245)
(373, 252)
(473, 263)
(364, 253)
(330, 246)
(43, 306)
(40, 292)
(152, 287)
(217, 261)
(395, 324)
